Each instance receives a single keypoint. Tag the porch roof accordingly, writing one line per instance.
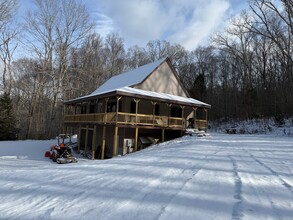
(138, 93)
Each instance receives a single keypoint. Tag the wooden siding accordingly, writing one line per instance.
(163, 80)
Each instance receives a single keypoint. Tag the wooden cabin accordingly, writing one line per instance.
(133, 110)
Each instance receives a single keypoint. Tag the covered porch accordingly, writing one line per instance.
(129, 111)
(110, 123)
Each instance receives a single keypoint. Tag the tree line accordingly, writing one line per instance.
(245, 72)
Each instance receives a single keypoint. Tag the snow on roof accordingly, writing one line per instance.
(162, 96)
(130, 78)
(149, 94)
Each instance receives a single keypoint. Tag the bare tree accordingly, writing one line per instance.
(29, 98)
(87, 66)
(275, 23)
(115, 53)
(8, 9)
(7, 49)
(157, 49)
(7, 36)
(136, 56)
(52, 28)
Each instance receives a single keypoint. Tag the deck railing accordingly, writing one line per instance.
(201, 124)
(132, 119)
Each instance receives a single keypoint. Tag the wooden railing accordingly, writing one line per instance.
(132, 119)
(201, 124)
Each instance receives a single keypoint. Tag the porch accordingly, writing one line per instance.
(130, 119)
(106, 123)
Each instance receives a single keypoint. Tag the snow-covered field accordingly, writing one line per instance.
(216, 177)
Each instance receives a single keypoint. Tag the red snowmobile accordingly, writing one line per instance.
(62, 152)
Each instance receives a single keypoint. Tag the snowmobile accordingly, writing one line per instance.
(62, 152)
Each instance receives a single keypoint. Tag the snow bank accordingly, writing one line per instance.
(28, 150)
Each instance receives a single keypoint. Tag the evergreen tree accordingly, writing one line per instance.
(199, 87)
(8, 130)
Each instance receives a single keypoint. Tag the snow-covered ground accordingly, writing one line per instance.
(255, 126)
(220, 176)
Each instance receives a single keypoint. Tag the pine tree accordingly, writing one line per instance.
(199, 87)
(8, 130)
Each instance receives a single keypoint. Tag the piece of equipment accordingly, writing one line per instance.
(62, 152)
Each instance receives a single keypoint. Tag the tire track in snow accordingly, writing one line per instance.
(262, 194)
(195, 170)
(177, 192)
(237, 208)
(148, 194)
(143, 189)
(284, 183)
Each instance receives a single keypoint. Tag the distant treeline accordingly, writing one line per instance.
(245, 72)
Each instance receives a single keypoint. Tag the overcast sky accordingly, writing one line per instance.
(186, 22)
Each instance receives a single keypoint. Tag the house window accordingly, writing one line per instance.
(176, 112)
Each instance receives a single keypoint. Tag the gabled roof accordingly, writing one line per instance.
(130, 78)
(122, 84)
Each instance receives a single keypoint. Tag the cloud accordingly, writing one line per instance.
(186, 22)
(204, 20)
(136, 20)
(104, 24)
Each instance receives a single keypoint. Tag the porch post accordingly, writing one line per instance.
(136, 139)
(136, 128)
(163, 135)
(86, 138)
(183, 124)
(115, 142)
(105, 116)
(94, 142)
(103, 143)
(88, 107)
(136, 109)
(169, 113)
(194, 117)
(183, 121)
(79, 137)
(206, 111)
(154, 109)
(117, 107)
